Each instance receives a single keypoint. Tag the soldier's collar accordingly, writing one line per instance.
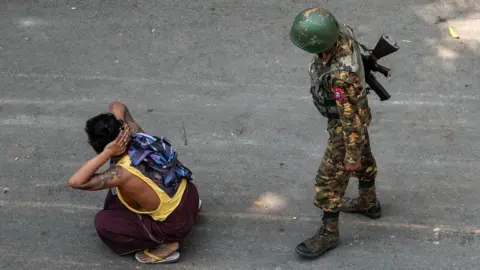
(327, 56)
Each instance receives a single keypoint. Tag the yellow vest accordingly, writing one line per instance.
(167, 204)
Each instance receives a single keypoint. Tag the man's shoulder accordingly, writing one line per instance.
(123, 166)
(127, 178)
(121, 172)
(347, 62)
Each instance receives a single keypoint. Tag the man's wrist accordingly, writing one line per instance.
(106, 154)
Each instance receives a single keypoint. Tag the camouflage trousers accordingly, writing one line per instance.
(332, 179)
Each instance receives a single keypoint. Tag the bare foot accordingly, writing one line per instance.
(162, 251)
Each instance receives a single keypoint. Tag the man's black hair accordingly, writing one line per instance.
(101, 130)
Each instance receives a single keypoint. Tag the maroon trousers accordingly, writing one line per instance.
(125, 231)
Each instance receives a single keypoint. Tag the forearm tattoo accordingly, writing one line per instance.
(101, 180)
(131, 123)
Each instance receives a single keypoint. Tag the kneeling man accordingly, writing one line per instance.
(151, 204)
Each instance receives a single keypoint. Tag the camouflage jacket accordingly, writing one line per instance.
(339, 76)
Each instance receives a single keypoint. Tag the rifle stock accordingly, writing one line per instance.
(384, 47)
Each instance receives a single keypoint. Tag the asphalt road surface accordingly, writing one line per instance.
(223, 82)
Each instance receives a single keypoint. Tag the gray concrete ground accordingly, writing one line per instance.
(227, 72)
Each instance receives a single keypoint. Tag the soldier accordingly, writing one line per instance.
(339, 92)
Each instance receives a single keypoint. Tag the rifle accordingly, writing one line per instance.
(384, 47)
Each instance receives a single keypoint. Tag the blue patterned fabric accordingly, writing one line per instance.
(157, 154)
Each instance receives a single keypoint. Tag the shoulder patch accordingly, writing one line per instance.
(338, 94)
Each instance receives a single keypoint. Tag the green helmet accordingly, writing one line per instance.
(314, 30)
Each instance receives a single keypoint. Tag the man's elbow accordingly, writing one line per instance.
(72, 183)
(114, 104)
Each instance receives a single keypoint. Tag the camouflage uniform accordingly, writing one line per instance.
(339, 92)
(348, 120)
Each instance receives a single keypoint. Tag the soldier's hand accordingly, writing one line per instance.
(353, 167)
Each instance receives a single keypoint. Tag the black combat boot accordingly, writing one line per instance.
(366, 204)
(326, 238)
